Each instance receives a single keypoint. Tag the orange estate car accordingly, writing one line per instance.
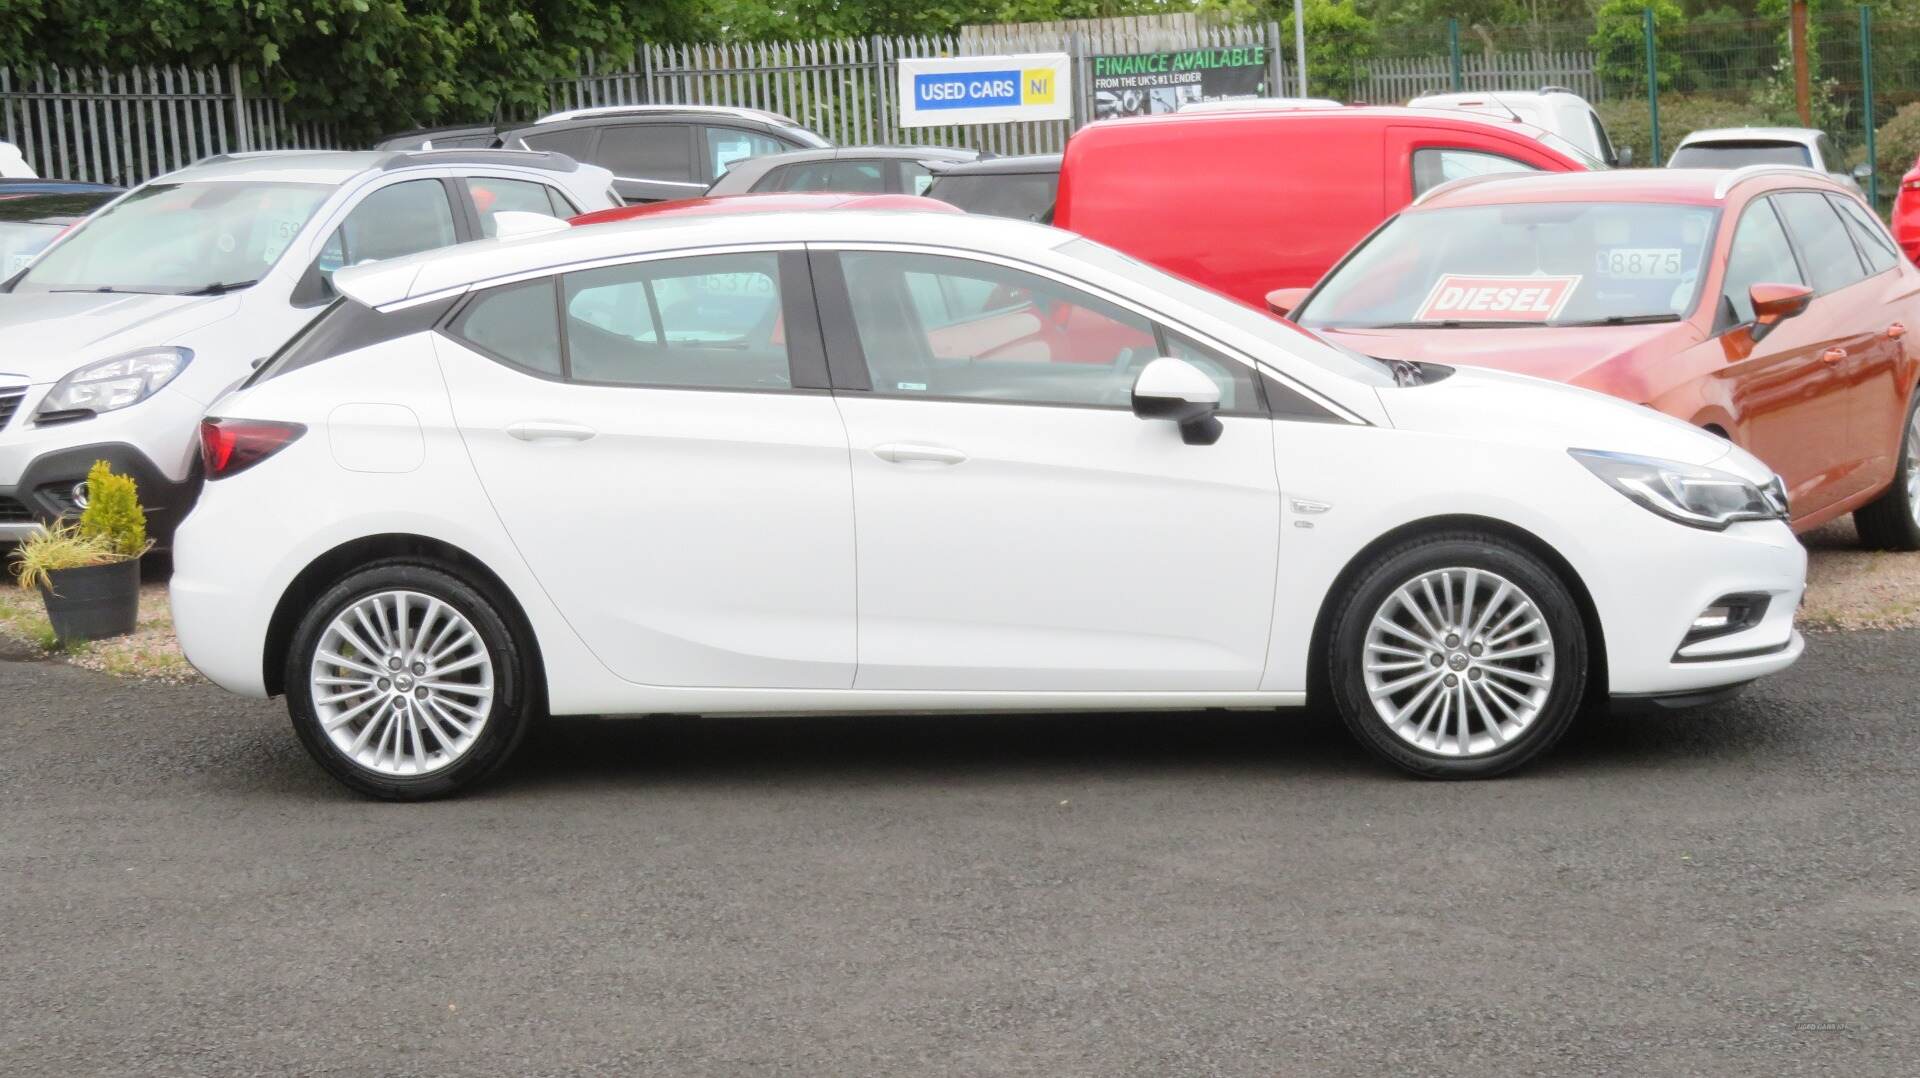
(1767, 304)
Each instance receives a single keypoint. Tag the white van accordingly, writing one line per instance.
(1554, 108)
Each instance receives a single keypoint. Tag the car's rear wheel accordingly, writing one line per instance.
(405, 683)
(1892, 521)
(1457, 655)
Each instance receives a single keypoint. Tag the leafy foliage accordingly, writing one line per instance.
(1620, 44)
(57, 548)
(1897, 145)
(113, 512)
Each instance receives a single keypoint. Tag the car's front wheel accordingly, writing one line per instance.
(1457, 655)
(1892, 521)
(406, 683)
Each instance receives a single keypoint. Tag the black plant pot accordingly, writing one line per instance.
(95, 602)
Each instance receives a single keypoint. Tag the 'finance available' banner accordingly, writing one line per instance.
(1149, 82)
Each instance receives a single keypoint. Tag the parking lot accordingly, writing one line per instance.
(1724, 892)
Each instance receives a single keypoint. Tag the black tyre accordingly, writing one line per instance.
(1457, 655)
(406, 683)
(1892, 521)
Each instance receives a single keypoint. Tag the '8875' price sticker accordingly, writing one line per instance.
(1638, 262)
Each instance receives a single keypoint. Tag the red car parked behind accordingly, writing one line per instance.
(1766, 303)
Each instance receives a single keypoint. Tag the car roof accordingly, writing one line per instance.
(419, 132)
(1374, 114)
(1799, 135)
(397, 280)
(596, 111)
(1026, 164)
(339, 166)
(1700, 186)
(771, 202)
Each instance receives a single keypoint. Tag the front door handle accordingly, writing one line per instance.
(903, 453)
(1896, 331)
(546, 430)
(1833, 355)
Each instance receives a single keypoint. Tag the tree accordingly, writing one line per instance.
(1620, 43)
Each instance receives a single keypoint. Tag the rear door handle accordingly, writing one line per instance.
(1833, 355)
(546, 430)
(903, 453)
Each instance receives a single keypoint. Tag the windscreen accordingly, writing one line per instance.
(1534, 263)
(179, 239)
(29, 222)
(1737, 154)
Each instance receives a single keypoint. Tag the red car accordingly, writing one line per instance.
(1764, 303)
(1246, 202)
(1906, 213)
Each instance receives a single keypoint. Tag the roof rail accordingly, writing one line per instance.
(1470, 181)
(540, 159)
(1747, 172)
(248, 155)
(1552, 89)
(592, 111)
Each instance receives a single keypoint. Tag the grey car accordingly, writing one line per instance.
(860, 170)
(661, 152)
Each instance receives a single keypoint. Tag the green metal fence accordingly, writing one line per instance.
(1654, 81)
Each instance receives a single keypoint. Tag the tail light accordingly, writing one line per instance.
(228, 446)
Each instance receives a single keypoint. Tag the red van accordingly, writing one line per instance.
(1247, 202)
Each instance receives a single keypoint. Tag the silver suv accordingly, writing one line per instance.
(123, 331)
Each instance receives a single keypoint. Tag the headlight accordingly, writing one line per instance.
(1699, 497)
(112, 383)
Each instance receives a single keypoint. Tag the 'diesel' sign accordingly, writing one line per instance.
(985, 89)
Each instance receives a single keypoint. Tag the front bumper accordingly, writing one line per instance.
(45, 492)
(1649, 606)
(153, 442)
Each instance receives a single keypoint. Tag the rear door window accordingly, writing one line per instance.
(725, 145)
(493, 195)
(648, 151)
(707, 322)
(1821, 238)
(1874, 244)
(915, 177)
(1435, 165)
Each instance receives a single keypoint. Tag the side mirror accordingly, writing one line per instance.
(1775, 303)
(1623, 157)
(1282, 301)
(1862, 171)
(1169, 388)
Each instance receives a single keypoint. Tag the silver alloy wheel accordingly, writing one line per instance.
(1458, 662)
(1913, 466)
(402, 683)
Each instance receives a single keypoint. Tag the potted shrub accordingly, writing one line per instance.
(88, 572)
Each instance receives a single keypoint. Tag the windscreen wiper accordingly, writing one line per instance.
(1448, 323)
(1622, 320)
(219, 289)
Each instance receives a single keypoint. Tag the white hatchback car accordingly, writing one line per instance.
(119, 334)
(904, 461)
